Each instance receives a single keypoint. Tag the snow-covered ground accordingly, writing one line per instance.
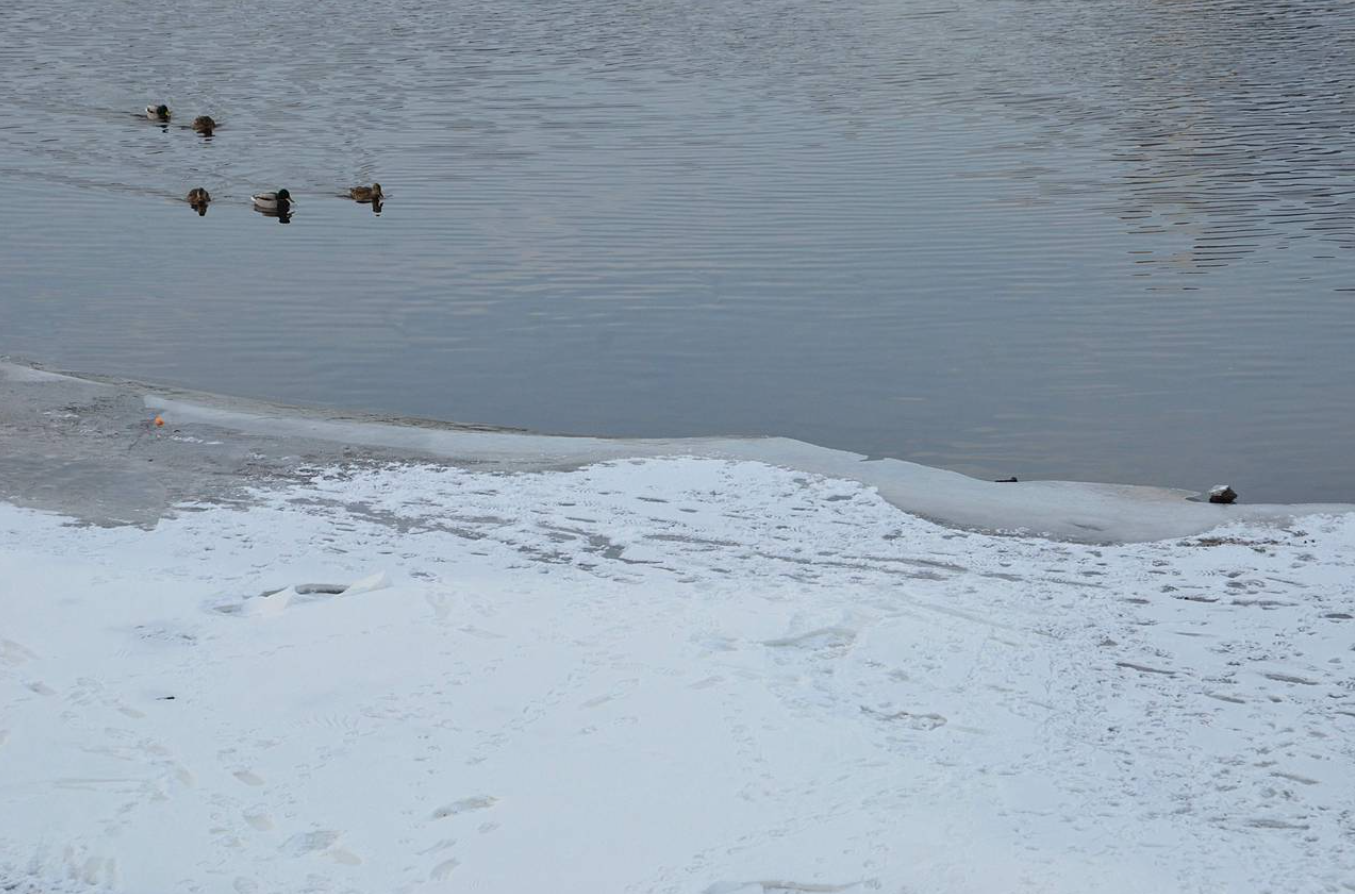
(684, 674)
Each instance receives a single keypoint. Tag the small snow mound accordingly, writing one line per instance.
(271, 603)
(371, 583)
(268, 605)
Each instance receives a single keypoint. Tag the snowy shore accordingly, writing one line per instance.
(671, 668)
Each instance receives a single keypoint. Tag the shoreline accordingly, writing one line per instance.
(240, 653)
(95, 432)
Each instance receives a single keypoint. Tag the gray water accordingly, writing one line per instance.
(1052, 238)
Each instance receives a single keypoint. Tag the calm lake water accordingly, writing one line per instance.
(1050, 238)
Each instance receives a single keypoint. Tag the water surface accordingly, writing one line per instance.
(1102, 241)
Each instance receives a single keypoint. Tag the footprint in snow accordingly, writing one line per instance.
(14, 654)
(481, 632)
(437, 846)
(618, 691)
(320, 843)
(466, 805)
(822, 638)
(440, 604)
(305, 843)
(248, 777)
(771, 886)
(910, 719)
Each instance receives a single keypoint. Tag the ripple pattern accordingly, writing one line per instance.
(1050, 238)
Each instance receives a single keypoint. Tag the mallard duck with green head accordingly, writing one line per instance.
(158, 113)
(272, 201)
(204, 125)
(366, 194)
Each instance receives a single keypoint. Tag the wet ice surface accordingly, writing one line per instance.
(648, 673)
(89, 449)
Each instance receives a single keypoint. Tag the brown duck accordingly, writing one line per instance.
(198, 199)
(366, 194)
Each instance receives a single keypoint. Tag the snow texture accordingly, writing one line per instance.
(665, 675)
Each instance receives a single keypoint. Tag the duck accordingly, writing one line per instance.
(366, 194)
(273, 201)
(198, 199)
(158, 113)
(204, 125)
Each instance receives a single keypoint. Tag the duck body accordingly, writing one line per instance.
(273, 201)
(198, 199)
(158, 113)
(366, 194)
(204, 125)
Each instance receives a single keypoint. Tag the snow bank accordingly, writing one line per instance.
(82, 446)
(687, 674)
(1087, 512)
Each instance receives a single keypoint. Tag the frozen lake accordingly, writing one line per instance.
(1105, 242)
